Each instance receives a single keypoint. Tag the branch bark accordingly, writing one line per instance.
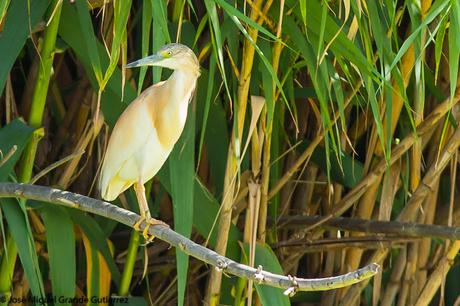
(222, 263)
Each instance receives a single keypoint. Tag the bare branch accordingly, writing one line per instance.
(407, 229)
(289, 283)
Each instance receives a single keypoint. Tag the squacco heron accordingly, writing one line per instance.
(146, 132)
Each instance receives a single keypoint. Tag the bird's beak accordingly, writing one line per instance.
(146, 61)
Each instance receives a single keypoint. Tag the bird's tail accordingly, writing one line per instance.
(112, 188)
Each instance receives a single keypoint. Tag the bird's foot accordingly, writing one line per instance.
(138, 223)
(148, 222)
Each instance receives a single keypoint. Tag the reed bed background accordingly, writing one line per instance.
(303, 108)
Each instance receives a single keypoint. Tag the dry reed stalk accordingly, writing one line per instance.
(408, 281)
(253, 182)
(297, 164)
(410, 211)
(425, 244)
(254, 206)
(81, 92)
(427, 125)
(277, 48)
(11, 111)
(366, 205)
(360, 126)
(410, 285)
(398, 151)
(225, 217)
(394, 283)
(353, 294)
(397, 101)
(21, 290)
(26, 99)
(438, 275)
(389, 189)
(88, 136)
(331, 257)
(423, 249)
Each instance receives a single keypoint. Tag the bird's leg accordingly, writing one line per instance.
(145, 213)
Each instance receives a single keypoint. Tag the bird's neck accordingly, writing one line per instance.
(179, 87)
(181, 83)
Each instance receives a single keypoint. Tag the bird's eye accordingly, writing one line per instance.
(166, 53)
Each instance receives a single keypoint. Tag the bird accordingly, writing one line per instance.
(146, 132)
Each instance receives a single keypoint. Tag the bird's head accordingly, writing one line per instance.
(173, 56)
